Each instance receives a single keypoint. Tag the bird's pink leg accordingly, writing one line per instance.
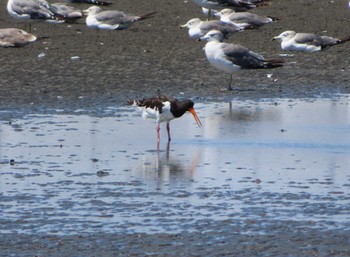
(168, 129)
(158, 129)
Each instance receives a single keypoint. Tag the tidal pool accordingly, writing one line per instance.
(251, 162)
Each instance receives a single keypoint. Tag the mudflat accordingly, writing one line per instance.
(74, 67)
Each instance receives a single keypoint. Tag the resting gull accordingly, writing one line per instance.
(233, 57)
(239, 5)
(307, 42)
(111, 20)
(70, 13)
(243, 19)
(33, 10)
(96, 2)
(198, 28)
(13, 37)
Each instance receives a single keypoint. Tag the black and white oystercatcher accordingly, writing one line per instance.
(164, 108)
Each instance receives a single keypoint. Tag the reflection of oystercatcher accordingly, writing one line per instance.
(164, 108)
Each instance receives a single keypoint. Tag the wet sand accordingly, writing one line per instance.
(155, 54)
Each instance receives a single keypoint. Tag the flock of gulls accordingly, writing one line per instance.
(224, 18)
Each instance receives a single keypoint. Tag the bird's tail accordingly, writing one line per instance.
(147, 16)
(343, 39)
(274, 18)
(273, 63)
(133, 102)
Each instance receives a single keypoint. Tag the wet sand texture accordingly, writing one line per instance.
(111, 66)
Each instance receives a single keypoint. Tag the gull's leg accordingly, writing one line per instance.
(230, 84)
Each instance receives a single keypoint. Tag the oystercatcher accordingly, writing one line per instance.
(233, 57)
(307, 42)
(164, 108)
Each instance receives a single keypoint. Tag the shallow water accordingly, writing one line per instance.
(251, 162)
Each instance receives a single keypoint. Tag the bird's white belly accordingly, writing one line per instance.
(217, 58)
(293, 46)
(195, 33)
(153, 113)
(207, 4)
(91, 22)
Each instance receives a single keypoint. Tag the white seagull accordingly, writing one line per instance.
(112, 19)
(198, 28)
(70, 13)
(307, 42)
(33, 10)
(97, 2)
(233, 57)
(239, 5)
(13, 37)
(243, 19)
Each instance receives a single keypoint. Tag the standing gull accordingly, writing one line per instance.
(307, 42)
(13, 37)
(243, 19)
(111, 20)
(164, 108)
(233, 57)
(33, 10)
(198, 28)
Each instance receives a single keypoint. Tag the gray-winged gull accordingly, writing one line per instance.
(233, 57)
(13, 37)
(198, 28)
(97, 2)
(307, 42)
(243, 19)
(70, 13)
(239, 5)
(33, 10)
(111, 19)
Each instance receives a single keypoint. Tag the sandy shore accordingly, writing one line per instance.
(155, 54)
(111, 67)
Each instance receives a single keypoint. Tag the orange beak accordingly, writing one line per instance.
(195, 117)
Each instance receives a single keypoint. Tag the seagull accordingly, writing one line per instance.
(13, 37)
(198, 28)
(33, 10)
(209, 12)
(96, 2)
(233, 57)
(70, 13)
(164, 108)
(243, 19)
(307, 42)
(239, 5)
(111, 20)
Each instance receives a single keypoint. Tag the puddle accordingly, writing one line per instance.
(251, 161)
